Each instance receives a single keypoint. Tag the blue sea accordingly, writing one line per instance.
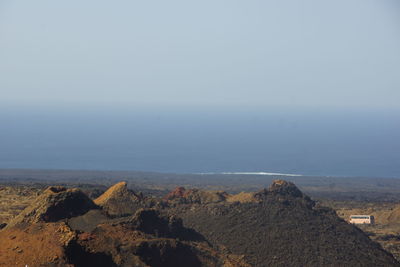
(323, 142)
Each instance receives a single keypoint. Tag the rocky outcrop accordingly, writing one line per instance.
(177, 193)
(194, 196)
(118, 200)
(180, 195)
(54, 204)
(149, 221)
(242, 197)
(88, 221)
(281, 187)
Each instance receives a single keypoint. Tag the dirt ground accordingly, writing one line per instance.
(13, 199)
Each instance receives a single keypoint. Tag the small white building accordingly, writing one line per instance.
(362, 219)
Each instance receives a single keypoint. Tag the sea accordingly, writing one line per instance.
(304, 141)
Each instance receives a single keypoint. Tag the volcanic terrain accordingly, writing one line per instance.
(277, 226)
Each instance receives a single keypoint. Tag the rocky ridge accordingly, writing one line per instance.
(194, 196)
(143, 239)
(119, 201)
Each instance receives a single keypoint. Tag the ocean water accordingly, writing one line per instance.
(309, 142)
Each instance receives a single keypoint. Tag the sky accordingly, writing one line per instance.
(310, 53)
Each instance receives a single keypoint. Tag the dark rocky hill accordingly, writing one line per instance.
(283, 227)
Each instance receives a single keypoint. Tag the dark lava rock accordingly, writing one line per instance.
(147, 239)
(88, 221)
(285, 188)
(284, 192)
(194, 196)
(150, 222)
(169, 252)
(284, 228)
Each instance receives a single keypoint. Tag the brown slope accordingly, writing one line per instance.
(394, 215)
(285, 228)
(118, 200)
(41, 244)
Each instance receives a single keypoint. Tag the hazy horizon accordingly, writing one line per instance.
(309, 87)
(335, 143)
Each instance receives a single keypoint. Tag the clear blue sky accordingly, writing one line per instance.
(200, 53)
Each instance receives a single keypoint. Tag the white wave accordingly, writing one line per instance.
(254, 173)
